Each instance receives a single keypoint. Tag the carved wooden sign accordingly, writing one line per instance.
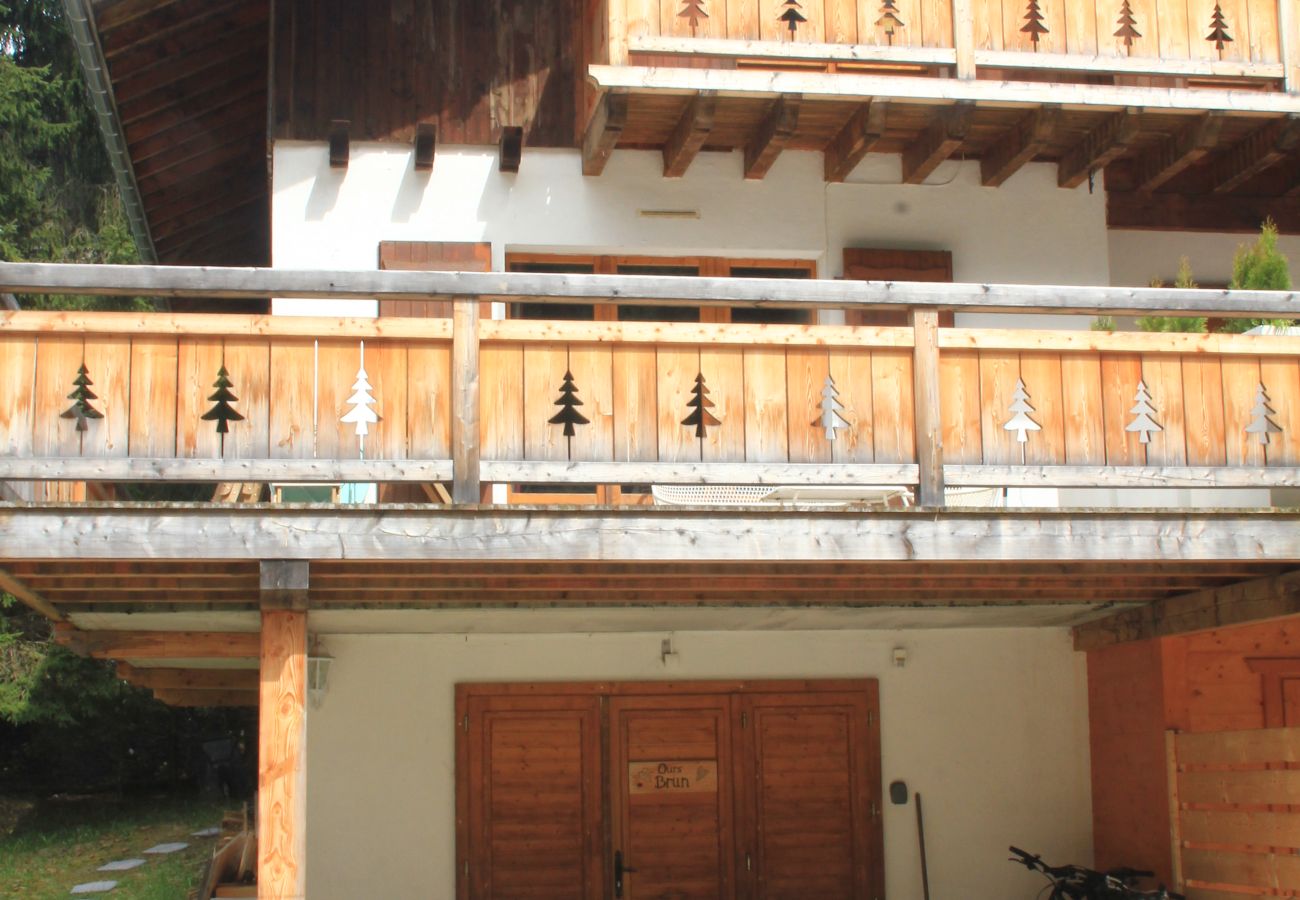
(699, 776)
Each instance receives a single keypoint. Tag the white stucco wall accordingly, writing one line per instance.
(990, 726)
(1136, 257)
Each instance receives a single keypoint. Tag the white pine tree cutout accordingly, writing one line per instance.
(1142, 410)
(1261, 424)
(1020, 422)
(830, 418)
(361, 414)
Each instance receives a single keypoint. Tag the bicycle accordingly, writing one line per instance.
(1080, 883)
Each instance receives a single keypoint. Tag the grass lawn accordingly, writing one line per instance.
(62, 842)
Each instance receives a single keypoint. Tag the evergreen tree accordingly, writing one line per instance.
(889, 20)
(222, 413)
(1260, 267)
(1188, 324)
(1034, 23)
(792, 17)
(568, 416)
(1142, 410)
(701, 403)
(1020, 422)
(1218, 30)
(362, 413)
(693, 11)
(1260, 422)
(81, 395)
(830, 418)
(1127, 26)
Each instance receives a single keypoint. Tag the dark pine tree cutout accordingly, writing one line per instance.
(81, 395)
(889, 20)
(568, 416)
(1219, 30)
(1127, 26)
(1034, 23)
(701, 404)
(792, 17)
(222, 413)
(693, 11)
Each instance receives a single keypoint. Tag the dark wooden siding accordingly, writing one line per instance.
(470, 66)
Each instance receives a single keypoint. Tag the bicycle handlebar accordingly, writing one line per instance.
(1112, 882)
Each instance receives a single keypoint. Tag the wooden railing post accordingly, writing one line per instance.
(963, 36)
(925, 393)
(618, 32)
(1288, 36)
(465, 401)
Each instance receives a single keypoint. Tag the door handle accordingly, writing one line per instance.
(619, 871)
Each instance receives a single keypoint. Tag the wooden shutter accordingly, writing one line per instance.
(529, 816)
(866, 264)
(813, 814)
(430, 256)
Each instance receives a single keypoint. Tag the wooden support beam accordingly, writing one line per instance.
(1176, 154)
(159, 644)
(29, 597)
(426, 146)
(856, 139)
(1210, 212)
(940, 140)
(925, 391)
(339, 141)
(777, 127)
(1236, 604)
(163, 679)
(283, 583)
(1288, 33)
(465, 449)
(281, 767)
(512, 148)
(1262, 149)
(693, 129)
(207, 699)
(1102, 146)
(963, 34)
(603, 131)
(1031, 135)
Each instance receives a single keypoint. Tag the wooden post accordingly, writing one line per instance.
(963, 37)
(1288, 36)
(925, 389)
(465, 401)
(281, 764)
(1175, 810)
(618, 32)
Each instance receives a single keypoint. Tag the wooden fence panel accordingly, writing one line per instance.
(58, 360)
(724, 368)
(18, 372)
(198, 360)
(635, 403)
(766, 410)
(959, 406)
(894, 422)
(854, 376)
(1241, 379)
(806, 372)
(593, 372)
(742, 20)
(1119, 380)
(249, 362)
(292, 420)
(1281, 379)
(386, 364)
(544, 368)
(501, 389)
(1085, 413)
(428, 400)
(1203, 411)
(999, 372)
(152, 397)
(1164, 379)
(1041, 373)
(677, 369)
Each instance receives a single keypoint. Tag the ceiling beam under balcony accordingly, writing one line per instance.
(856, 139)
(1211, 212)
(29, 597)
(1030, 137)
(1099, 148)
(693, 129)
(1178, 153)
(940, 140)
(603, 132)
(141, 645)
(1261, 150)
(776, 129)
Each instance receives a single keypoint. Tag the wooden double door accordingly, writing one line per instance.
(669, 791)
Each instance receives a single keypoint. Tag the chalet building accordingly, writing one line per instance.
(647, 446)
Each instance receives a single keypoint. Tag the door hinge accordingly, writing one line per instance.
(744, 719)
(465, 724)
(875, 810)
(467, 868)
(749, 863)
(871, 718)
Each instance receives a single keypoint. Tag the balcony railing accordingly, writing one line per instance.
(122, 397)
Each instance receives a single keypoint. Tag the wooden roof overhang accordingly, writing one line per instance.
(1172, 157)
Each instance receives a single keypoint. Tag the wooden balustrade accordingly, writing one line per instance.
(123, 397)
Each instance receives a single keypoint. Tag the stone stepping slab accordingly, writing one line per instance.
(121, 865)
(167, 848)
(94, 887)
(207, 832)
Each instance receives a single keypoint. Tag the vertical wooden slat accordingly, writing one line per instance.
(428, 400)
(281, 769)
(1164, 378)
(854, 379)
(593, 370)
(18, 373)
(248, 360)
(197, 363)
(152, 431)
(715, 26)
(636, 410)
(806, 371)
(292, 432)
(959, 398)
(1175, 38)
(1263, 20)
(1288, 32)
(766, 413)
(909, 34)
(1241, 378)
(1119, 380)
(773, 29)
(1199, 14)
(386, 364)
(1203, 413)
(724, 369)
(1175, 808)
(544, 368)
(618, 24)
(742, 20)
(109, 358)
(57, 362)
(502, 379)
(1081, 27)
(998, 374)
(1281, 377)
(1041, 373)
(842, 22)
(465, 404)
(986, 21)
(1053, 13)
(898, 421)
(676, 376)
(1085, 419)
(949, 23)
(642, 18)
(336, 367)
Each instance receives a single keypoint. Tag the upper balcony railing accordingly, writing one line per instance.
(1247, 42)
(126, 397)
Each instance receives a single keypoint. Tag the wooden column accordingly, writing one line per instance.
(618, 32)
(465, 401)
(925, 390)
(1288, 32)
(963, 36)
(281, 765)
